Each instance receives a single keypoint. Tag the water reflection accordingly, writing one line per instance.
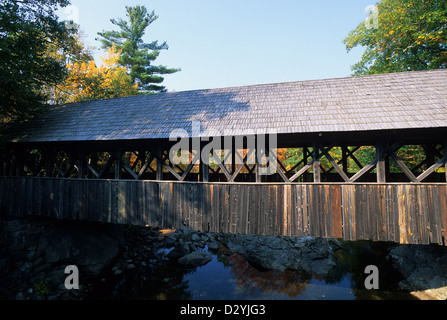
(230, 277)
(254, 282)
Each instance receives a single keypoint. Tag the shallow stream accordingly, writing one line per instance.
(229, 276)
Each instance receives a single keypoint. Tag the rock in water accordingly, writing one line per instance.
(180, 249)
(213, 245)
(91, 251)
(312, 255)
(94, 252)
(195, 259)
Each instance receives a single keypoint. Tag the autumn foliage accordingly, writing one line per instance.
(410, 35)
(87, 81)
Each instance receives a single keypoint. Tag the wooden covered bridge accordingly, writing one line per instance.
(353, 158)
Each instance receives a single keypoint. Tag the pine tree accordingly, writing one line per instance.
(136, 55)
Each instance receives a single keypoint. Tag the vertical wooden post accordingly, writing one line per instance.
(199, 150)
(159, 172)
(81, 165)
(387, 167)
(258, 165)
(204, 165)
(445, 154)
(380, 166)
(344, 158)
(5, 164)
(316, 164)
(429, 156)
(233, 155)
(49, 162)
(118, 160)
(19, 163)
(304, 176)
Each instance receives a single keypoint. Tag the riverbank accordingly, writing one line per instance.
(130, 262)
(424, 270)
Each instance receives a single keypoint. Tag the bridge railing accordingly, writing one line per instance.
(403, 213)
(317, 162)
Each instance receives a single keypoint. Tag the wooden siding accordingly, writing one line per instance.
(404, 213)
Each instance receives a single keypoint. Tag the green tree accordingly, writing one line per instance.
(411, 35)
(86, 81)
(27, 29)
(136, 55)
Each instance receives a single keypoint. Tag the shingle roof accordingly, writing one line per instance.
(390, 101)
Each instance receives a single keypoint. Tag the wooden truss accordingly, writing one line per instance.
(318, 163)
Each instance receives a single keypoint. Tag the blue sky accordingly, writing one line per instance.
(233, 43)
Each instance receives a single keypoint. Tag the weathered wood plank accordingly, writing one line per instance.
(326, 211)
(244, 210)
(372, 205)
(287, 211)
(425, 213)
(381, 214)
(114, 201)
(336, 211)
(121, 218)
(226, 209)
(393, 214)
(212, 206)
(411, 215)
(443, 196)
(436, 216)
(360, 212)
(405, 213)
(345, 211)
(296, 211)
(4, 191)
(402, 211)
(306, 209)
(353, 211)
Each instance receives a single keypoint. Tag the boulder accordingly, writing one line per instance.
(213, 245)
(94, 252)
(180, 249)
(90, 251)
(312, 255)
(195, 259)
(54, 246)
(422, 266)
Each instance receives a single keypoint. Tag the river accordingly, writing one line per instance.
(228, 276)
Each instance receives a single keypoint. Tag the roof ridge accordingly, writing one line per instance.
(314, 80)
(268, 84)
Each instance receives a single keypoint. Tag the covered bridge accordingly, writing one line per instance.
(357, 157)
